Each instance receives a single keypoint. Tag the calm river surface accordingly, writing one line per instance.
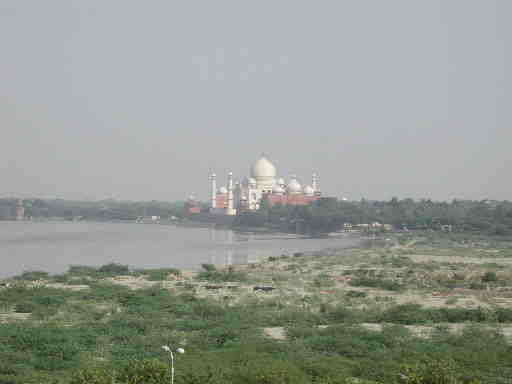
(54, 246)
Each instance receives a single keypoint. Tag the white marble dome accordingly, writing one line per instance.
(294, 186)
(308, 190)
(264, 172)
(223, 190)
(263, 168)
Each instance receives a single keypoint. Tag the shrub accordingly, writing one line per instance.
(145, 371)
(405, 314)
(82, 270)
(210, 273)
(476, 285)
(209, 267)
(33, 275)
(160, 274)
(323, 281)
(489, 277)
(61, 278)
(136, 372)
(434, 372)
(269, 371)
(25, 307)
(93, 376)
(451, 301)
(389, 285)
(356, 294)
(49, 300)
(114, 269)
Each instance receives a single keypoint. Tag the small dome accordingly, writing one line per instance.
(223, 190)
(263, 168)
(281, 181)
(252, 181)
(278, 190)
(308, 190)
(294, 186)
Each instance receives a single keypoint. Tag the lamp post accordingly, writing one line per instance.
(169, 349)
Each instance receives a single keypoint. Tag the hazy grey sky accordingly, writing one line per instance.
(140, 99)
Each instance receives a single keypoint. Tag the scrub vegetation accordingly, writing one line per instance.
(413, 308)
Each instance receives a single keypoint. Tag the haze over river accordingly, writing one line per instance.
(54, 246)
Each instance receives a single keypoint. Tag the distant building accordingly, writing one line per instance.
(192, 206)
(262, 184)
(148, 219)
(20, 210)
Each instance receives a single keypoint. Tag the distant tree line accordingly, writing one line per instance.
(93, 210)
(330, 214)
(324, 215)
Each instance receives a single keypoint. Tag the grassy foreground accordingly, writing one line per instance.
(410, 308)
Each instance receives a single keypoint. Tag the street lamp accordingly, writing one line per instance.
(169, 349)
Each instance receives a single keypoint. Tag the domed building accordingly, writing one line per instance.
(263, 183)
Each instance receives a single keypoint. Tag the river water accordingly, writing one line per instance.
(54, 246)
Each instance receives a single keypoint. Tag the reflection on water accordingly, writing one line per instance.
(232, 250)
(54, 246)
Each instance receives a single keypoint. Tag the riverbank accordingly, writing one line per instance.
(427, 301)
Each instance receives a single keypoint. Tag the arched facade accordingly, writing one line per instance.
(262, 183)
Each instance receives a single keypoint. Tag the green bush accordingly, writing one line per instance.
(25, 307)
(49, 300)
(114, 269)
(33, 276)
(82, 270)
(93, 376)
(435, 372)
(405, 314)
(323, 281)
(63, 278)
(269, 371)
(356, 294)
(211, 273)
(476, 285)
(389, 285)
(147, 371)
(489, 277)
(209, 267)
(160, 273)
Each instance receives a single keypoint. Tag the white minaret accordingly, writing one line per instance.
(214, 192)
(313, 182)
(230, 210)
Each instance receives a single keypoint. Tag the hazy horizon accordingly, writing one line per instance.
(142, 100)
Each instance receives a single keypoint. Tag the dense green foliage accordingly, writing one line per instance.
(96, 210)
(328, 214)
(112, 334)
(325, 215)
